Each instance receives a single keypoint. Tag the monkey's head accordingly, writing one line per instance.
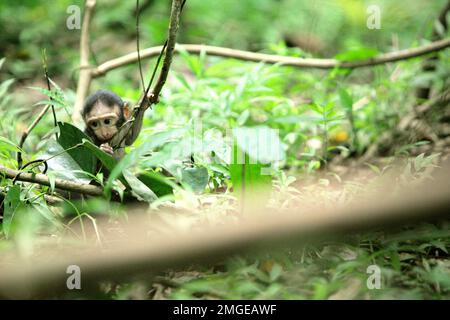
(104, 112)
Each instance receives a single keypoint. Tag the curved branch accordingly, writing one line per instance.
(270, 58)
(43, 179)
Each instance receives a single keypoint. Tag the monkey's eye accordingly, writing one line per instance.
(107, 121)
(94, 124)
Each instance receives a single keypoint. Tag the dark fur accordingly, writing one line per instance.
(107, 98)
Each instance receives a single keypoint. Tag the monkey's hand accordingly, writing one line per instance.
(105, 147)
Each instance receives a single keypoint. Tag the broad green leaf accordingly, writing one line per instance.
(160, 185)
(135, 156)
(251, 181)
(62, 165)
(155, 184)
(261, 143)
(195, 178)
(107, 160)
(138, 188)
(71, 136)
(57, 97)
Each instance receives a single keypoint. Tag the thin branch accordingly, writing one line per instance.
(137, 44)
(144, 6)
(177, 6)
(47, 78)
(85, 76)
(269, 58)
(43, 179)
(49, 88)
(27, 132)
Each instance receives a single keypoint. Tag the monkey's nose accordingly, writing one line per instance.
(106, 135)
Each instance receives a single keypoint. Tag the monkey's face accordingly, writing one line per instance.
(103, 121)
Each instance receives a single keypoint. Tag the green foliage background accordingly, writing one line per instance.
(305, 106)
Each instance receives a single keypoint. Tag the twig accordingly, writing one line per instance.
(40, 161)
(26, 133)
(270, 58)
(47, 78)
(43, 179)
(85, 77)
(177, 6)
(137, 44)
(144, 6)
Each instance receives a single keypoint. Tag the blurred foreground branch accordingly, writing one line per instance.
(140, 254)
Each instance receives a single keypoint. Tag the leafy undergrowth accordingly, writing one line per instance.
(413, 260)
(414, 265)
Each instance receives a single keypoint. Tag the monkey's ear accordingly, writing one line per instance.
(126, 110)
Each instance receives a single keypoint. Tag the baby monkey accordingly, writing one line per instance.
(104, 113)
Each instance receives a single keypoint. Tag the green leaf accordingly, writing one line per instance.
(243, 117)
(138, 188)
(346, 99)
(276, 272)
(195, 178)
(12, 205)
(251, 181)
(7, 144)
(4, 86)
(261, 143)
(107, 160)
(160, 185)
(134, 156)
(62, 165)
(69, 137)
